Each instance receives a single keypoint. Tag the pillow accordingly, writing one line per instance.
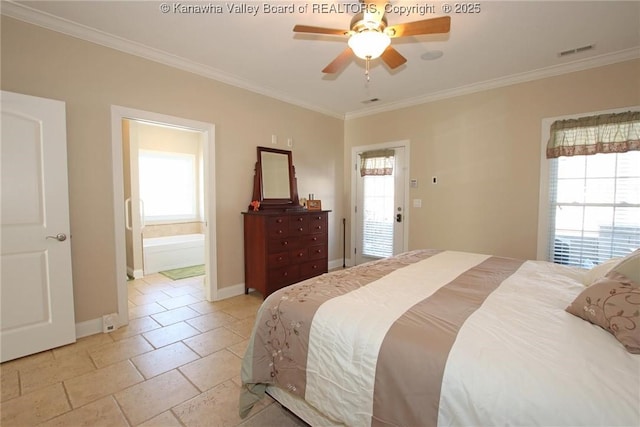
(598, 271)
(613, 303)
(629, 266)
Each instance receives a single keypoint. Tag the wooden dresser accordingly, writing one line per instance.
(283, 247)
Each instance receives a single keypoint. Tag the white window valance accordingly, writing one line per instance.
(378, 162)
(605, 133)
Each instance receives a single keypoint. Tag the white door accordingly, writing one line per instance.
(380, 207)
(37, 290)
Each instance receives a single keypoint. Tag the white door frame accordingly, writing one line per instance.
(208, 130)
(354, 161)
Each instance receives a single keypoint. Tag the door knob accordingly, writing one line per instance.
(60, 237)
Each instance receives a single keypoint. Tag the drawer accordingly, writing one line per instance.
(278, 226)
(279, 259)
(313, 268)
(317, 252)
(313, 240)
(299, 255)
(318, 223)
(284, 275)
(298, 225)
(275, 246)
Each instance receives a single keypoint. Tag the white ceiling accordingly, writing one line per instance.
(505, 42)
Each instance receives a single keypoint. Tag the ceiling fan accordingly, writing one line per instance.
(370, 35)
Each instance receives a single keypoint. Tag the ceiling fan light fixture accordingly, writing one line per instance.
(369, 44)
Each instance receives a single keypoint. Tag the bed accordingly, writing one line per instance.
(433, 337)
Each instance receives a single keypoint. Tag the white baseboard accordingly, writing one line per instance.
(230, 291)
(89, 327)
(136, 274)
(337, 263)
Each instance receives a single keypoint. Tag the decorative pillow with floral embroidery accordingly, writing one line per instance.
(613, 303)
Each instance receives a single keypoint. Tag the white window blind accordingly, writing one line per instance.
(378, 215)
(594, 207)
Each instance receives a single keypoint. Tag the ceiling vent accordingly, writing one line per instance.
(576, 50)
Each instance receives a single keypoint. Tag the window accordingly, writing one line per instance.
(378, 219)
(168, 185)
(594, 208)
(378, 184)
(594, 189)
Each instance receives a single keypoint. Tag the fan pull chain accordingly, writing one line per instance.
(366, 68)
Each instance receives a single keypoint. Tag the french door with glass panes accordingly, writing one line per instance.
(379, 210)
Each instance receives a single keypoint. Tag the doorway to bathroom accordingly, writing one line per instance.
(164, 199)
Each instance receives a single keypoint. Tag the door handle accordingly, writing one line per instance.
(60, 237)
(399, 218)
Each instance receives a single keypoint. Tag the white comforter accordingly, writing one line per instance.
(519, 359)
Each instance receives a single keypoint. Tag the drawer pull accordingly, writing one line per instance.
(280, 258)
(318, 227)
(318, 251)
(315, 239)
(300, 219)
(280, 231)
(300, 254)
(315, 267)
(285, 274)
(279, 220)
(319, 217)
(300, 229)
(285, 243)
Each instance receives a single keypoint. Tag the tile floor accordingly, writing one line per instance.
(177, 363)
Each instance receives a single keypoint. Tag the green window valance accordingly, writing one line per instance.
(605, 133)
(378, 162)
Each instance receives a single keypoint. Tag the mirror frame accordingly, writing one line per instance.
(289, 203)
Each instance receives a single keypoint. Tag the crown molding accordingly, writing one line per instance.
(73, 29)
(556, 70)
(42, 19)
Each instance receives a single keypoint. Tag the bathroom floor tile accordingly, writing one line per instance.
(212, 341)
(210, 321)
(34, 408)
(212, 370)
(170, 334)
(218, 406)
(180, 301)
(145, 310)
(165, 419)
(174, 316)
(135, 327)
(242, 327)
(155, 396)
(119, 350)
(164, 359)
(101, 413)
(167, 368)
(55, 371)
(9, 385)
(113, 378)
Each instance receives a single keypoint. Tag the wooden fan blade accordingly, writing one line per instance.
(392, 57)
(338, 63)
(318, 30)
(426, 26)
(374, 10)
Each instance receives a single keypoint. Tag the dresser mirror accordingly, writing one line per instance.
(274, 184)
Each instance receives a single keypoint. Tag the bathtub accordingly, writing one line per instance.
(166, 253)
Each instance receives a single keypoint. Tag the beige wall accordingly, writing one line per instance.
(485, 150)
(92, 78)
